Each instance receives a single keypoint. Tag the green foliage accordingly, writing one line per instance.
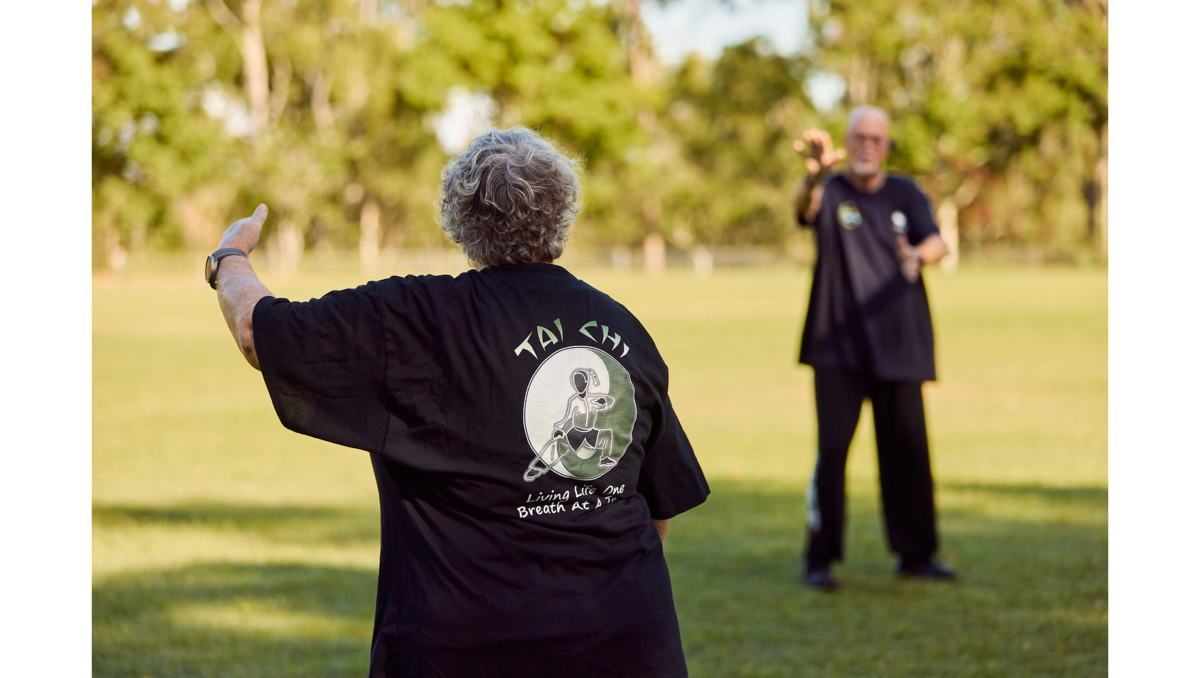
(999, 109)
(727, 140)
(151, 145)
(558, 67)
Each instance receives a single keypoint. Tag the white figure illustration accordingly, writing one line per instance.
(576, 433)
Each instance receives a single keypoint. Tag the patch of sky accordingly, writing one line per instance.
(706, 27)
(467, 115)
(677, 29)
(825, 89)
(164, 42)
(232, 111)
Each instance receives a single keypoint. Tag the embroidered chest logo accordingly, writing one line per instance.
(849, 216)
(579, 414)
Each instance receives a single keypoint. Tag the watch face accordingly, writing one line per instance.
(209, 269)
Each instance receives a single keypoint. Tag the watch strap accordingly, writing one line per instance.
(211, 269)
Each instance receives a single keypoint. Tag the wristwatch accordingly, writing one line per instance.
(214, 260)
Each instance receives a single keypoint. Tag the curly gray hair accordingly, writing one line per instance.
(510, 197)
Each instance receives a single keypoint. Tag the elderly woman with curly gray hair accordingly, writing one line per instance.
(527, 455)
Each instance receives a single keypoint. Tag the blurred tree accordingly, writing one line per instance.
(293, 145)
(330, 110)
(157, 160)
(999, 108)
(726, 161)
(340, 113)
(556, 66)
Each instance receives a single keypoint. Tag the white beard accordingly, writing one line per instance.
(864, 168)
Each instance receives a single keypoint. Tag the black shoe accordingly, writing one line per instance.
(819, 578)
(925, 569)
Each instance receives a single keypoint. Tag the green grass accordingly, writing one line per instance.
(224, 545)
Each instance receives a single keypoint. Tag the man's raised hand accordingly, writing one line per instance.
(821, 155)
(243, 234)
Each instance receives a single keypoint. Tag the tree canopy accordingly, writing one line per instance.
(339, 114)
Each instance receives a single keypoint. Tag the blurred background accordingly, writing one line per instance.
(224, 545)
(340, 113)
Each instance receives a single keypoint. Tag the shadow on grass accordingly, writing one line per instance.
(238, 619)
(292, 524)
(234, 620)
(1031, 599)
(1093, 497)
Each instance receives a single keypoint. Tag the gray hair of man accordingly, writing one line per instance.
(510, 197)
(859, 111)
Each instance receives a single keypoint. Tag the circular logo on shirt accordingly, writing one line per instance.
(849, 216)
(579, 414)
(899, 222)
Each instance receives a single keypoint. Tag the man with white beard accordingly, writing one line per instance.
(868, 334)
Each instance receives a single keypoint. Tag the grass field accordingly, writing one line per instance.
(224, 545)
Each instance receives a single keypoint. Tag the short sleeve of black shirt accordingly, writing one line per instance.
(917, 209)
(671, 479)
(324, 363)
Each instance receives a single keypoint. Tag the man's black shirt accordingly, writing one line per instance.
(863, 315)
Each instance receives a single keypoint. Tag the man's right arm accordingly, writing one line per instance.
(819, 161)
(807, 200)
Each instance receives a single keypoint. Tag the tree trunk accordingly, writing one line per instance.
(368, 241)
(254, 68)
(702, 262)
(279, 87)
(114, 254)
(250, 42)
(859, 83)
(322, 111)
(367, 11)
(1102, 192)
(641, 73)
(637, 44)
(285, 247)
(654, 249)
(947, 217)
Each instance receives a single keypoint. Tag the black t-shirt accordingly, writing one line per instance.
(862, 314)
(522, 440)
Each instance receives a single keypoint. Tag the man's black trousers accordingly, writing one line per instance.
(905, 480)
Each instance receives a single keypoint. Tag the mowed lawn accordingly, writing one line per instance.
(224, 545)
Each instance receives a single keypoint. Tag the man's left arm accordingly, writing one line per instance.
(921, 229)
(238, 288)
(929, 251)
(932, 249)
